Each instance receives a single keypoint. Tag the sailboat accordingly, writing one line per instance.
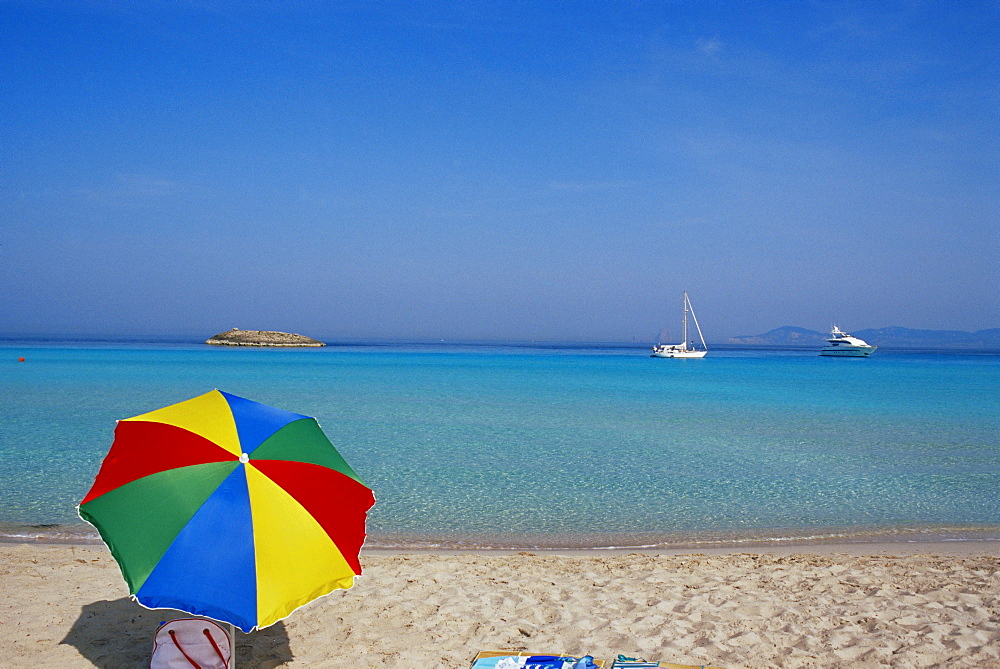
(683, 350)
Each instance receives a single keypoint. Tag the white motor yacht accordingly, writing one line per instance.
(844, 345)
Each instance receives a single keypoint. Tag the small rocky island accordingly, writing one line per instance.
(237, 337)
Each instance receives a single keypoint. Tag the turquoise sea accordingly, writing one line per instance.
(554, 446)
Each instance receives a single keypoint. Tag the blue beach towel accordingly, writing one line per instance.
(544, 662)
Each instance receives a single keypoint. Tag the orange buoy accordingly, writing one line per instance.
(20, 359)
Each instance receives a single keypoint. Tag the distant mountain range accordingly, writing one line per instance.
(892, 337)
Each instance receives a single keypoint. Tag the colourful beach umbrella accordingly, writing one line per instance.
(229, 509)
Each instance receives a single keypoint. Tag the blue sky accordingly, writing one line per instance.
(497, 170)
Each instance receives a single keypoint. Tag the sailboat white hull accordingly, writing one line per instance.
(678, 354)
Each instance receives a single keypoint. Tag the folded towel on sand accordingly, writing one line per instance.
(508, 660)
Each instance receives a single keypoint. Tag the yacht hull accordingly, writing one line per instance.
(849, 352)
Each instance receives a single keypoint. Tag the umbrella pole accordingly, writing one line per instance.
(232, 646)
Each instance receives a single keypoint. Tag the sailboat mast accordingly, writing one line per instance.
(685, 342)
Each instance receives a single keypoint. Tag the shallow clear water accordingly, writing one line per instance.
(557, 446)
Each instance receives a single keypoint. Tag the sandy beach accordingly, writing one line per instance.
(868, 606)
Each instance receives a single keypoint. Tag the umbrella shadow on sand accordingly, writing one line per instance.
(119, 633)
